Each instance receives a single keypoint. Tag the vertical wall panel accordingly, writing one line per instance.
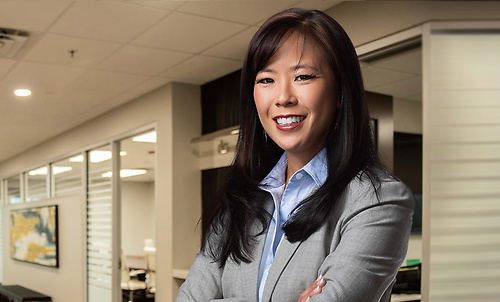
(462, 138)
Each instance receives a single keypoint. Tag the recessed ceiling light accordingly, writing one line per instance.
(22, 92)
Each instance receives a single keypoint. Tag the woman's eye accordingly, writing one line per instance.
(305, 77)
(265, 81)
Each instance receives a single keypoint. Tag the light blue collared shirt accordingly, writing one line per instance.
(286, 198)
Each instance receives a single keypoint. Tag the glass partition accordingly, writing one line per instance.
(13, 185)
(99, 224)
(36, 184)
(67, 176)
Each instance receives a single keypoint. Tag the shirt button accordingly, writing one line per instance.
(299, 176)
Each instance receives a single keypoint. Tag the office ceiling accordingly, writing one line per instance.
(398, 74)
(83, 58)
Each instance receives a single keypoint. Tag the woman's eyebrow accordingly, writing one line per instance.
(304, 66)
(266, 70)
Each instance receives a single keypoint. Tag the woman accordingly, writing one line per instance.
(308, 212)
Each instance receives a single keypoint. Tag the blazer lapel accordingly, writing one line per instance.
(251, 270)
(284, 253)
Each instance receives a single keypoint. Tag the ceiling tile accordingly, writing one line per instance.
(5, 66)
(247, 12)
(233, 48)
(116, 83)
(181, 32)
(375, 77)
(132, 59)
(409, 61)
(41, 78)
(110, 21)
(317, 4)
(167, 5)
(56, 49)
(201, 69)
(31, 15)
(403, 89)
(148, 86)
(75, 100)
(98, 108)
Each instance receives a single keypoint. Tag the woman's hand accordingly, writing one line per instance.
(313, 290)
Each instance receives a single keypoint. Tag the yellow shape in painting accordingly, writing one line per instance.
(22, 226)
(34, 250)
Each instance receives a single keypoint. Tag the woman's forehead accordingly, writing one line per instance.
(300, 48)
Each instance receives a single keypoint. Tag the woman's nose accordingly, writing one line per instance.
(285, 96)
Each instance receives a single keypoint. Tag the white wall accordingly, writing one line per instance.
(63, 283)
(138, 212)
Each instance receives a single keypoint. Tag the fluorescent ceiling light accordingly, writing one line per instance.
(126, 173)
(55, 170)
(39, 171)
(76, 159)
(96, 156)
(60, 169)
(149, 137)
(22, 92)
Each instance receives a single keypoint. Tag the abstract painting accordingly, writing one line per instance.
(33, 235)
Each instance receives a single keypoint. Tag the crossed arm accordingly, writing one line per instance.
(361, 266)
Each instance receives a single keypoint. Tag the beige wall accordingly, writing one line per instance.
(50, 281)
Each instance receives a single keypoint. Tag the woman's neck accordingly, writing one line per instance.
(296, 162)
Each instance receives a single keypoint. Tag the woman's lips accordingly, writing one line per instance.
(288, 122)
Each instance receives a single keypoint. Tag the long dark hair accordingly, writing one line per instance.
(349, 145)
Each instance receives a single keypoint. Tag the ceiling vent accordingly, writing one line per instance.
(11, 40)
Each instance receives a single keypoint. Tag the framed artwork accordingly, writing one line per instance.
(33, 235)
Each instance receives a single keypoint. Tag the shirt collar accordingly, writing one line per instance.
(316, 168)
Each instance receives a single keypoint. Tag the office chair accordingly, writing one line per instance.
(151, 269)
(131, 268)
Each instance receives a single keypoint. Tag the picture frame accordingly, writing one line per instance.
(34, 235)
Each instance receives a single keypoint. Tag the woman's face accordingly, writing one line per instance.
(295, 97)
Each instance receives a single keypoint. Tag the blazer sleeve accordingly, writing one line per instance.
(203, 282)
(374, 231)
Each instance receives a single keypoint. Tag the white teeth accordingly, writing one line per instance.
(288, 121)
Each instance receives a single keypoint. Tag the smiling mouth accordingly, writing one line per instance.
(289, 121)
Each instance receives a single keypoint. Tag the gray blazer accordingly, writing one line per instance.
(359, 252)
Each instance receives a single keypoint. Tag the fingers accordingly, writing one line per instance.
(313, 290)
